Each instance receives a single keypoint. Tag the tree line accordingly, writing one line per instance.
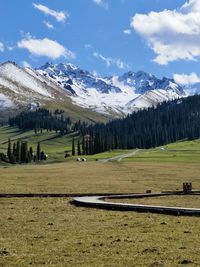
(19, 152)
(152, 127)
(42, 119)
(168, 122)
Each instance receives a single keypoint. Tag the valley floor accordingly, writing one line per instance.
(52, 232)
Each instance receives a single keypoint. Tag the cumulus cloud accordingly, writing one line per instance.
(171, 34)
(127, 31)
(101, 3)
(48, 25)
(60, 16)
(45, 47)
(1, 47)
(111, 61)
(187, 79)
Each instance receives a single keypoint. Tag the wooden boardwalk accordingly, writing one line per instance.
(99, 202)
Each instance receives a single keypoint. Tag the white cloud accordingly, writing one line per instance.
(1, 47)
(88, 46)
(10, 48)
(45, 47)
(127, 31)
(172, 34)
(25, 64)
(48, 24)
(111, 61)
(101, 3)
(60, 16)
(187, 79)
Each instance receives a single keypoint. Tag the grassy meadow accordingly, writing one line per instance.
(56, 146)
(53, 232)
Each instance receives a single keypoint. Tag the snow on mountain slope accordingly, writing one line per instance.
(66, 83)
(5, 102)
(111, 95)
(27, 87)
(16, 78)
(192, 89)
(154, 97)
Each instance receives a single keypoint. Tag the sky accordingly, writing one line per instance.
(106, 37)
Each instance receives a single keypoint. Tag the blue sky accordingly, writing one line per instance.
(104, 36)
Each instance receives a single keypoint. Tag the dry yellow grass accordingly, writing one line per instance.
(187, 201)
(94, 177)
(52, 232)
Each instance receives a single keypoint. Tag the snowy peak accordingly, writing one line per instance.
(114, 95)
(24, 87)
(63, 83)
(64, 74)
(143, 82)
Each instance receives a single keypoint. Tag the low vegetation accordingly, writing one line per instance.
(187, 201)
(52, 232)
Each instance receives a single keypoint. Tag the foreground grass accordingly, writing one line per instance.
(52, 232)
(188, 201)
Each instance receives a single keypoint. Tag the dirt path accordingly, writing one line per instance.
(120, 157)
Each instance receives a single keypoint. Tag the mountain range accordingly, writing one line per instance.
(80, 92)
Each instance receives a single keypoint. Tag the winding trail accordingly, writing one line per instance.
(120, 157)
(100, 202)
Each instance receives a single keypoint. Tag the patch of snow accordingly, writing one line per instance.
(20, 78)
(5, 102)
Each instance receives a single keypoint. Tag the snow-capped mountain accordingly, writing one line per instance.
(69, 86)
(112, 95)
(193, 89)
(25, 88)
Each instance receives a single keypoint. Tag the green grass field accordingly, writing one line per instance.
(182, 151)
(55, 146)
(52, 232)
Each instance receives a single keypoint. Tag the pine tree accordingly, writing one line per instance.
(28, 157)
(83, 146)
(9, 152)
(18, 152)
(87, 147)
(31, 152)
(24, 152)
(38, 152)
(79, 148)
(14, 150)
(12, 159)
(73, 147)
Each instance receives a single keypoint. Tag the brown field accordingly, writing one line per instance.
(52, 232)
(187, 201)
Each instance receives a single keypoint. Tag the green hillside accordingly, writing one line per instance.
(71, 110)
(182, 151)
(56, 146)
(53, 144)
